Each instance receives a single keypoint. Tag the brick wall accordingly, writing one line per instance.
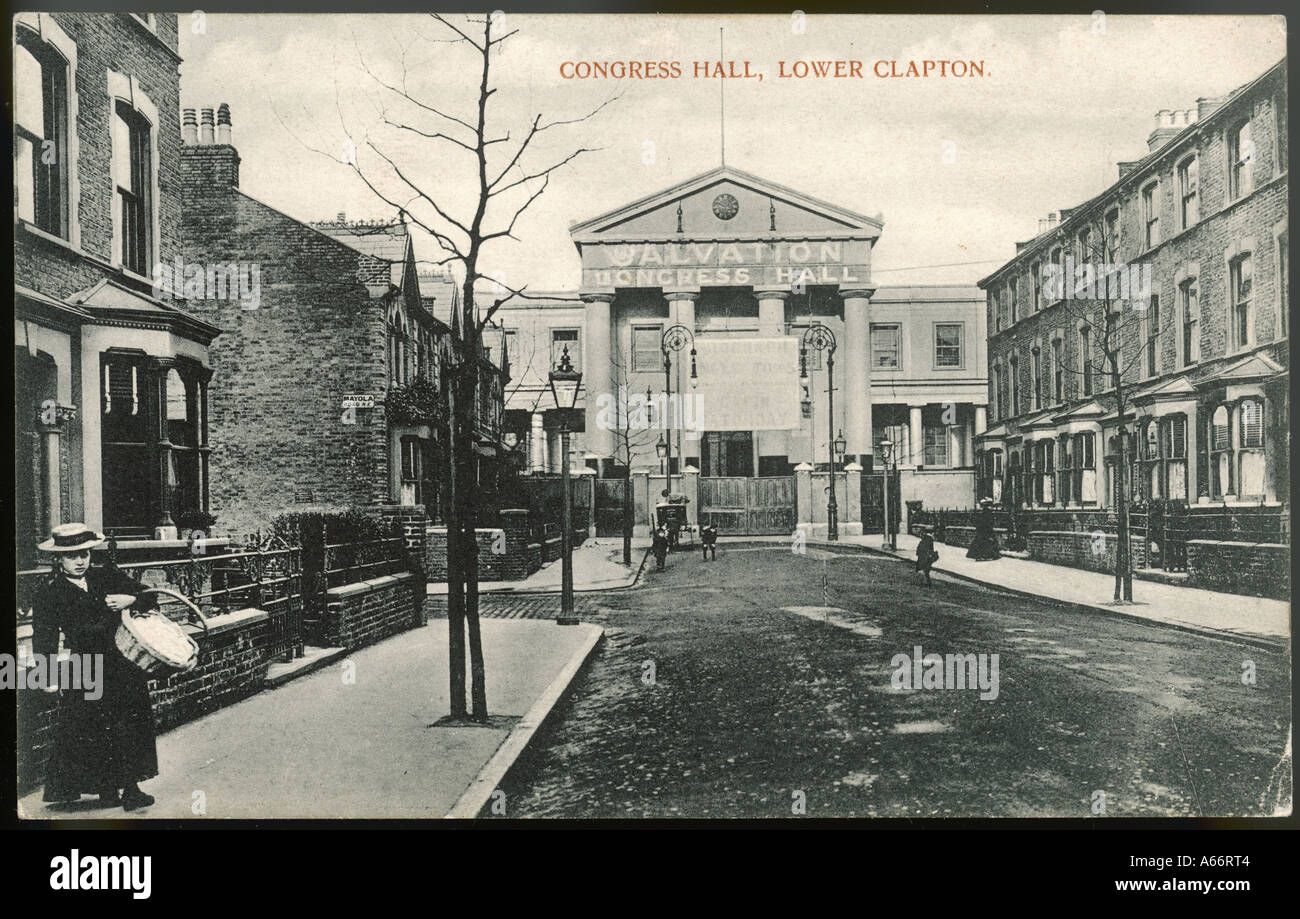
(1080, 550)
(1254, 569)
(280, 372)
(518, 561)
(232, 666)
(412, 520)
(361, 614)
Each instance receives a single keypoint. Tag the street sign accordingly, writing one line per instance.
(358, 401)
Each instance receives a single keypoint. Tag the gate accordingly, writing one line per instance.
(744, 506)
(609, 506)
(873, 502)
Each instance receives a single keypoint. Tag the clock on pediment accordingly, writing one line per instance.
(725, 206)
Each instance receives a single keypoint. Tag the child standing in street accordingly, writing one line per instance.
(709, 541)
(660, 547)
(925, 555)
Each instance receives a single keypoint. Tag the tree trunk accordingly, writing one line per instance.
(468, 417)
(455, 567)
(478, 680)
(628, 505)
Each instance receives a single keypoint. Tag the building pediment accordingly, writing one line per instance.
(726, 203)
(717, 230)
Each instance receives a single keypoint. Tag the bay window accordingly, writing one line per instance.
(1221, 454)
(1250, 442)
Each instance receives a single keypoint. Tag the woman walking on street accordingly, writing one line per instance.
(984, 546)
(103, 746)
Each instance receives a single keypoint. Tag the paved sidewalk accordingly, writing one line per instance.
(597, 565)
(1223, 615)
(320, 747)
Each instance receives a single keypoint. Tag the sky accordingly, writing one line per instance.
(958, 168)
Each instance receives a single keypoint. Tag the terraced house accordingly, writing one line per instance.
(1203, 353)
(111, 377)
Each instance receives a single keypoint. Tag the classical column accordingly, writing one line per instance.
(771, 312)
(917, 435)
(681, 311)
(681, 307)
(537, 444)
(598, 370)
(856, 350)
(771, 324)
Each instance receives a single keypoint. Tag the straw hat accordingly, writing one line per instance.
(72, 537)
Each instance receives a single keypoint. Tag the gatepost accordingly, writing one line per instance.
(641, 503)
(804, 498)
(691, 489)
(587, 476)
(851, 509)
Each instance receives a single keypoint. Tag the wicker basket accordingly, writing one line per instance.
(149, 659)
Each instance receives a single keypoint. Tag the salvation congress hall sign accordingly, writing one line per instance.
(757, 263)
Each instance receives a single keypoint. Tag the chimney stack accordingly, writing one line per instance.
(223, 124)
(1169, 122)
(209, 160)
(1205, 106)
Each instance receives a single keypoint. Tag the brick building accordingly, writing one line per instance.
(339, 313)
(111, 374)
(1203, 351)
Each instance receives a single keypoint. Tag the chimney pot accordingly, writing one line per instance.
(223, 124)
(205, 126)
(189, 126)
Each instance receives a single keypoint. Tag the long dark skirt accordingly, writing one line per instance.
(103, 744)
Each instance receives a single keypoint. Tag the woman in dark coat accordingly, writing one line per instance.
(985, 544)
(106, 745)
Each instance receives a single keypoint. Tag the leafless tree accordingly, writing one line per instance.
(1105, 304)
(626, 437)
(503, 185)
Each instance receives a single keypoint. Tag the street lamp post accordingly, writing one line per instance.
(886, 454)
(661, 448)
(675, 338)
(820, 338)
(565, 384)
